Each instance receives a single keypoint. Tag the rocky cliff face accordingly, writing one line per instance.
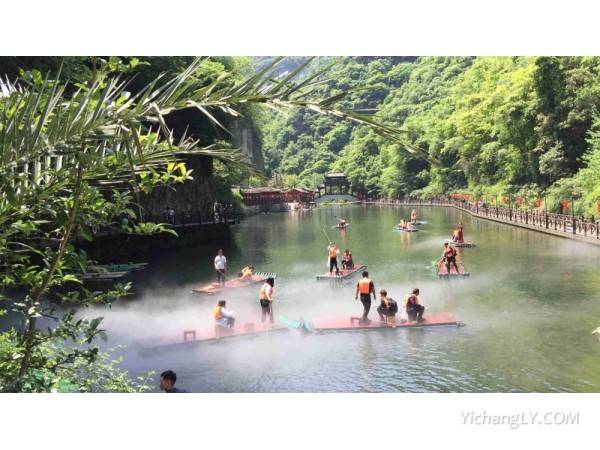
(246, 137)
(192, 200)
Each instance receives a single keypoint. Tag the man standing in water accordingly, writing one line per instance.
(365, 288)
(220, 266)
(333, 251)
(414, 309)
(266, 300)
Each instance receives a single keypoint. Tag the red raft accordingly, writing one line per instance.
(443, 272)
(355, 323)
(236, 283)
(343, 274)
(217, 334)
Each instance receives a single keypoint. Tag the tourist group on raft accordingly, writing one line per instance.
(365, 288)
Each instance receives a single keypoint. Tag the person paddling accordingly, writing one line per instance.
(220, 266)
(266, 300)
(449, 257)
(223, 316)
(414, 309)
(365, 288)
(388, 307)
(333, 252)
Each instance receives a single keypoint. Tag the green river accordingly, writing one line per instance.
(529, 307)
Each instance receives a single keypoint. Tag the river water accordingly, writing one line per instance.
(529, 307)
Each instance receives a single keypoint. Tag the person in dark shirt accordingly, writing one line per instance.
(167, 382)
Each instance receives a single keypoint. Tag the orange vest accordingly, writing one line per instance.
(217, 312)
(364, 286)
(333, 252)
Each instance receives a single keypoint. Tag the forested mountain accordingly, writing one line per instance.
(511, 126)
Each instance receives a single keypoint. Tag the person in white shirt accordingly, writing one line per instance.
(266, 300)
(223, 316)
(220, 266)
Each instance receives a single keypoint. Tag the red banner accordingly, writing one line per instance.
(538, 202)
(565, 204)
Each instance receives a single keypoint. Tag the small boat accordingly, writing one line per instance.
(397, 228)
(126, 267)
(101, 276)
(443, 273)
(356, 324)
(216, 334)
(341, 226)
(461, 244)
(236, 283)
(343, 274)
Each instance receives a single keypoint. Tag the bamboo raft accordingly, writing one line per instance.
(443, 273)
(236, 283)
(343, 274)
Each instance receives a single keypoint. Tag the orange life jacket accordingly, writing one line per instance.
(364, 286)
(333, 252)
(217, 312)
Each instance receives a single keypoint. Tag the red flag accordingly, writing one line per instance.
(565, 204)
(538, 202)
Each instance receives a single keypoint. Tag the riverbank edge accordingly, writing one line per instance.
(561, 234)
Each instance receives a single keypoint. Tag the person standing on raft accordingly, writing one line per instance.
(266, 300)
(413, 216)
(458, 235)
(333, 252)
(365, 288)
(223, 316)
(388, 308)
(220, 266)
(449, 257)
(414, 309)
